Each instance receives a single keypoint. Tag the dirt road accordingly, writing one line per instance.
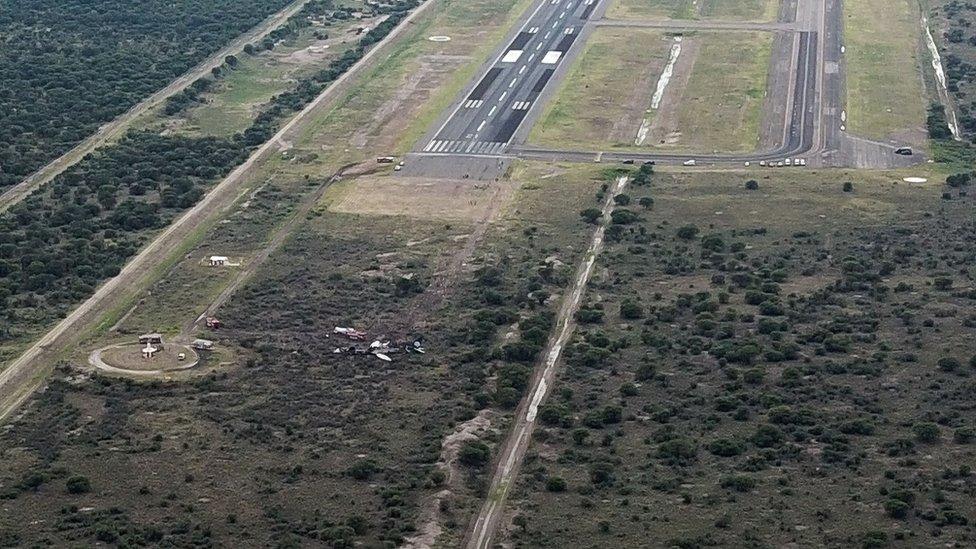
(27, 373)
(117, 127)
(513, 451)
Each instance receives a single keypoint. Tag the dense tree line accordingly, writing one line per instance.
(57, 245)
(68, 66)
(60, 242)
(310, 12)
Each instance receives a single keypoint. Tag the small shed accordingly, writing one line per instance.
(151, 339)
(218, 260)
(202, 344)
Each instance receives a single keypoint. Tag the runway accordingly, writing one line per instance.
(491, 113)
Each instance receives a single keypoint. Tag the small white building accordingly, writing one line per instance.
(218, 260)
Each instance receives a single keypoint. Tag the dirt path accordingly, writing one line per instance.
(278, 238)
(509, 459)
(28, 372)
(117, 127)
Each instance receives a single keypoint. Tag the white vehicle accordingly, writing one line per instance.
(689, 162)
(762, 162)
(747, 163)
(787, 162)
(779, 164)
(801, 161)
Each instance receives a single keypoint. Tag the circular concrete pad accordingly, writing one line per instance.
(127, 359)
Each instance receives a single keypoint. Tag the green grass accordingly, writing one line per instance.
(737, 10)
(603, 99)
(475, 28)
(884, 87)
(721, 107)
(615, 64)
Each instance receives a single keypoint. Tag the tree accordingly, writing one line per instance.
(78, 484)
(895, 508)
(752, 185)
(926, 432)
(688, 232)
(949, 364)
(631, 310)
(474, 453)
(556, 484)
(231, 61)
(601, 473)
(363, 469)
(646, 202)
(622, 199)
(848, 186)
(591, 215)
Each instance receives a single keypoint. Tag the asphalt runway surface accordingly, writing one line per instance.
(486, 120)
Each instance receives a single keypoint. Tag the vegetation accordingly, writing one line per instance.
(69, 66)
(778, 361)
(60, 242)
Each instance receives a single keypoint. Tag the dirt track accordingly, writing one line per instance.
(117, 127)
(27, 373)
(509, 459)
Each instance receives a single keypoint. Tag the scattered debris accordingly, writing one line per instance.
(350, 333)
(382, 349)
(213, 322)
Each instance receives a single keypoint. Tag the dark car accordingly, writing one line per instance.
(904, 151)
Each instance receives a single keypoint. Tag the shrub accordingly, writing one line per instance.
(848, 186)
(726, 447)
(78, 484)
(363, 469)
(474, 454)
(631, 310)
(767, 436)
(556, 484)
(949, 364)
(679, 450)
(601, 473)
(623, 217)
(964, 435)
(739, 483)
(752, 185)
(688, 232)
(591, 215)
(926, 432)
(895, 508)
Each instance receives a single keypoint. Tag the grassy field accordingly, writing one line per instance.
(419, 77)
(601, 106)
(592, 106)
(238, 95)
(721, 107)
(777, 380)
(885, 96)
(735, 10)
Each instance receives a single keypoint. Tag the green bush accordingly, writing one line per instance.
(474, 453)
(926, 432)
(78, 484)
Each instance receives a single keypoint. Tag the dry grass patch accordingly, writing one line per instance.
(421, 198)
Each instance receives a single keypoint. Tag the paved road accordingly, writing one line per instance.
(673, 24)
(486, 120)
(117, 127)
